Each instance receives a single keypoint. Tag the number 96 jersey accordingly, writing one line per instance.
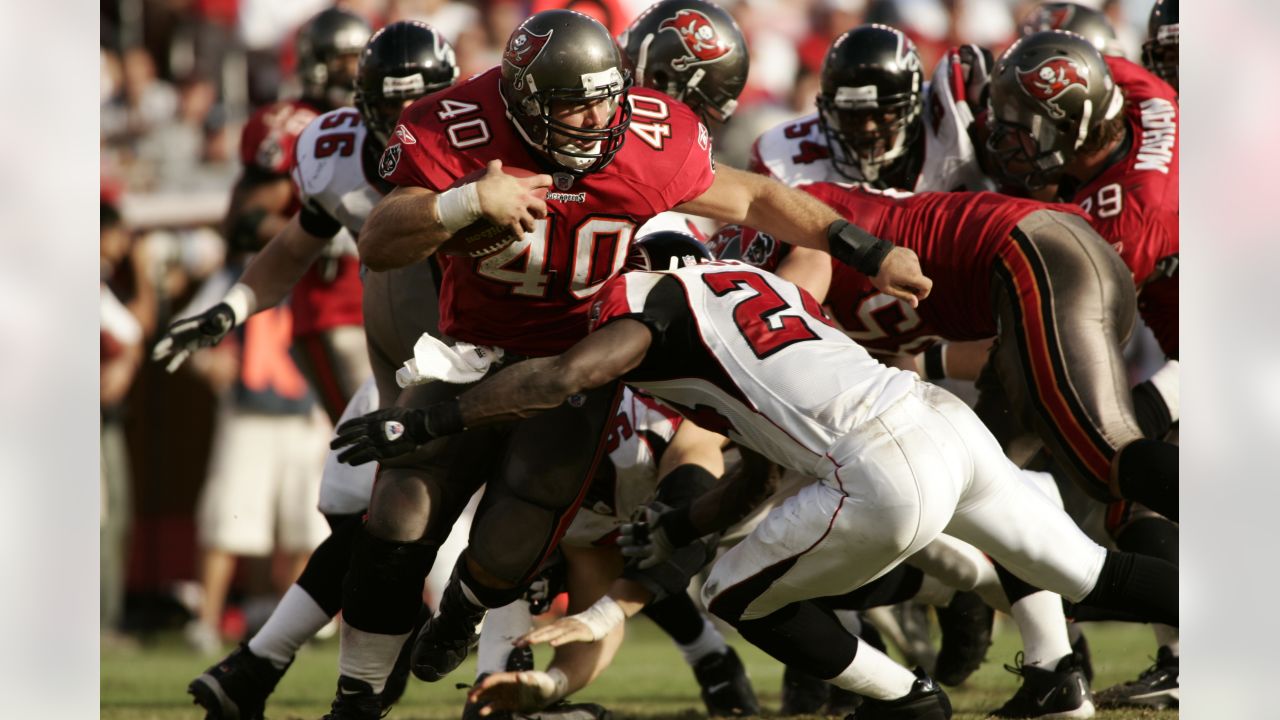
(532, 297)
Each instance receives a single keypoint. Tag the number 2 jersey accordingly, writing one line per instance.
(957, 237)
(532, 297)
(742, 352)
(328, 294)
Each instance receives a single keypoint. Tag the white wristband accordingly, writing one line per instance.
(601, 617)
(458, 207)
(561, 682)
(243, 301)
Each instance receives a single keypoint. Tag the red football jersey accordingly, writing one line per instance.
(266, 143)
(955, 235)
(533, 296)
(1134, 203)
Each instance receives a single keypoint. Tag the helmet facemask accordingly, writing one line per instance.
(867, 134)
(1160, 54)
(573, 147)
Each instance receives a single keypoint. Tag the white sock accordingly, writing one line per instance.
(934, 592)
(1167, 636)
(710, 642)
(368, 656)
(874, 674)
(1043, 627)
(500, 627)
(294, 621)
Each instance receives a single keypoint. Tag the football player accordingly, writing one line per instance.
(1160, 51)
(1087, 22)
(335, 157)
(328, 342)
(560, 102)
(895, 461)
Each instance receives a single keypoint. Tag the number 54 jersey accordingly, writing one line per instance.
(532, 297)
(742, 352)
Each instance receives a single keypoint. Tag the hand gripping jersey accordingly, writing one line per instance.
(957, 237)
(638, 435)
(328, 295)
(745, 353)
(1134, 202)
(532, 297)
(796, 152)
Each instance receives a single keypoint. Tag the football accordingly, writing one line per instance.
(482, 237)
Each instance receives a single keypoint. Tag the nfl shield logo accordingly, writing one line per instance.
(563, 181)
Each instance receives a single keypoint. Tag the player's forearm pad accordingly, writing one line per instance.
(856, 247)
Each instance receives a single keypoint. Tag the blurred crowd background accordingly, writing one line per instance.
(179, 78)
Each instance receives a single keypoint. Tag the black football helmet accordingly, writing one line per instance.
(403, 61)
(1049, 92)
(558, 58)
(660, 250)
(1082, 20)
(327, 47)
(870, 106)
(691, 50)
(1160, 51)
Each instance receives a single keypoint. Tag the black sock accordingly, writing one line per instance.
(490, 598)
(382, 591)
(678, 617)
(322, 577)
(1148, 473)
(1143, 586)
(1153, 414)
(1015, 588)
(1154, 536)
(805, 636)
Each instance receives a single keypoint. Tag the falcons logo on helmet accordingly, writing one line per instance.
(523, 49)
(1052, 79)
(699, 36)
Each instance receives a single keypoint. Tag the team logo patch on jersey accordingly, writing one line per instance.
(402, 134)
(522, 51)
(699, 36)
(1049, 81)
(390, 160)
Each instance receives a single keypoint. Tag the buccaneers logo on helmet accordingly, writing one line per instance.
(1052, 79)
(699, 36)
(523, 49)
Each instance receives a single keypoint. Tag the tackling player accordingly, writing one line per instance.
(561, 102)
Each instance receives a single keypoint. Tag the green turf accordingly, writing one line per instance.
(648, 680)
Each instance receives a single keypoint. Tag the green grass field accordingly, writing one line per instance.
(648, 679)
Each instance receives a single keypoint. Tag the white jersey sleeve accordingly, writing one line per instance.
(795, 153)
(950, 159)
(329, 171)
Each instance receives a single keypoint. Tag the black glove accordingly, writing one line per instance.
(655, 532)
(976, 64)
(190, 334)
(385, 434)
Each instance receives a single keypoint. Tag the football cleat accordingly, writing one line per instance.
(1156, 687)
(926, 701)
(1084, 658)
(447, 638)
(802, 693)
(237, 687)
(726, 691)
(966, 635)
(355, 700)
(1062, 692)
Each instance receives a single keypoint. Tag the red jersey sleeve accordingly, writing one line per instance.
(268, 138)
(697, 170)
(418, 153)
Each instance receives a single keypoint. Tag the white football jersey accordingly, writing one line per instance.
(638, 435)
(796, 152)
(330, 174)
(742, 352)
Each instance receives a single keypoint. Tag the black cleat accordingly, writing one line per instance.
(802, 693)
(1084, 658)
(1156, 687)
(237, 687)
(1062, 692)
(355, 700)
(966, 635)
(926, 701)
(726, 691)
(447, 638)
(566, 711)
